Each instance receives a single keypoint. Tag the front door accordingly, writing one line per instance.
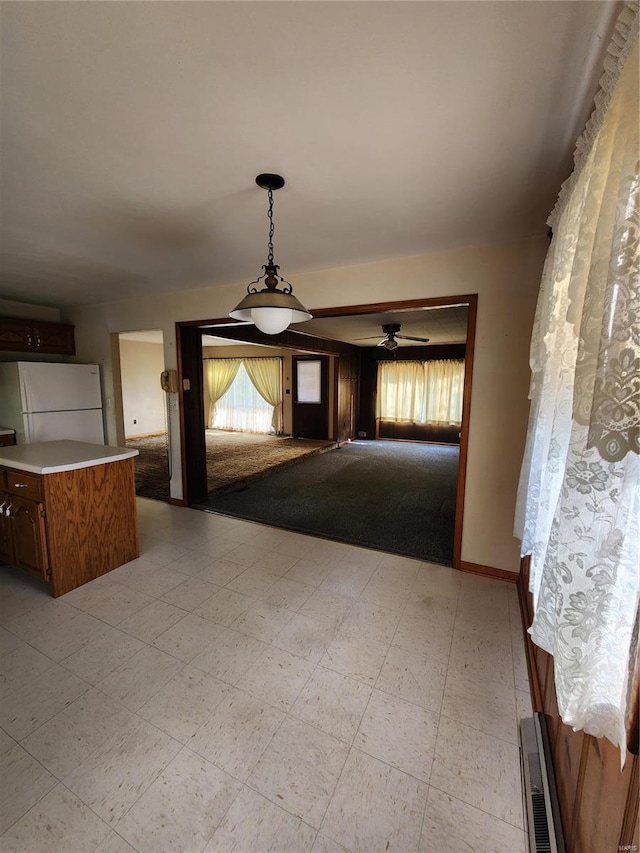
(310, 396)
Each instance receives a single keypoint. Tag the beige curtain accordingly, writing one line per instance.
(444, 382)
(219, 374)
(266, 375)
(400, 391)
(420, 392)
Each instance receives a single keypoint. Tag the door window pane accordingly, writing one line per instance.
(309, 386)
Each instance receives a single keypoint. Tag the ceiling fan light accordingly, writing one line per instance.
(390, 343)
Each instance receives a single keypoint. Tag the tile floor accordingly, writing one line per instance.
(244, 688)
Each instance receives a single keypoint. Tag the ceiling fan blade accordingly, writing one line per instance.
(410, 338)
(368, 338)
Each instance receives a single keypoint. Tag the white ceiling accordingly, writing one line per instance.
(447, 325)
(132, 134)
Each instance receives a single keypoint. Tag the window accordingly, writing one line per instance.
(242, 408)
(421, 392)
(309, 382)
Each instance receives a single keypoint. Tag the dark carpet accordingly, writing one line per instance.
(393, 496)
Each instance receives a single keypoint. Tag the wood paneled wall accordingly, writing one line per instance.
(598, 802)
(348, 368)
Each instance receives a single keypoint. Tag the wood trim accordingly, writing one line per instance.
(526, 618)
(633, 716)
(193, 462)
(334, 401)
(354, 310)
(176, 502)
(464, 431)
(489, 571)
(629, 828)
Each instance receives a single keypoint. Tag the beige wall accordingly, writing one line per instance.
(9, 308)
(506, 278)
(143, 400)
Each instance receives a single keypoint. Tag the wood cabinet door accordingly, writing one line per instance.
(16, 335)
(54, 338)
(5, 529)
(29, 537)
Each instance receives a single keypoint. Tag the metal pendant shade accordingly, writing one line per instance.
(271, 309)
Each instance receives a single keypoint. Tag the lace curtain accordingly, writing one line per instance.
(578, 512)
(420, 392)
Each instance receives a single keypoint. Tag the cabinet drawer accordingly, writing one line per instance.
(24, 485)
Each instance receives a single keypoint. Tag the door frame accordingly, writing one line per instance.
(194, 477)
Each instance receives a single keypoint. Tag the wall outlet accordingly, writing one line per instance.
(135, 421)
(362, 434)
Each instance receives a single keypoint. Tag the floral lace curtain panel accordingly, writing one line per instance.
(578, 511)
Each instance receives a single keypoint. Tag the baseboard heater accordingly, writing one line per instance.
(539, 787)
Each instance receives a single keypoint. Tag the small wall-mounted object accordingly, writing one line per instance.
(169, 381)
(18, 335)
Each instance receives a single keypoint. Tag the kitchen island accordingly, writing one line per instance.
(67, 510)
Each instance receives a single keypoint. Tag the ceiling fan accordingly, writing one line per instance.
(392, 332)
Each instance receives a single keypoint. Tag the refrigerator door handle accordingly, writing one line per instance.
(28, 429)
(24, 394)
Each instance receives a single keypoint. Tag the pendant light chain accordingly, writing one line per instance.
(271, 229)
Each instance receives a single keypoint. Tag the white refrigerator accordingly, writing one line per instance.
(46, 401)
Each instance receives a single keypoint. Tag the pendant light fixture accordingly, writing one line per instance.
(271, 309)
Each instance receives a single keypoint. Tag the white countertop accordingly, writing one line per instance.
(50, 457)
(4, 431)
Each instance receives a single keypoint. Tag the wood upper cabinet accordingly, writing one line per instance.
(33, 336)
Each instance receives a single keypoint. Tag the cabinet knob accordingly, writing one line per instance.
(20, 485)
